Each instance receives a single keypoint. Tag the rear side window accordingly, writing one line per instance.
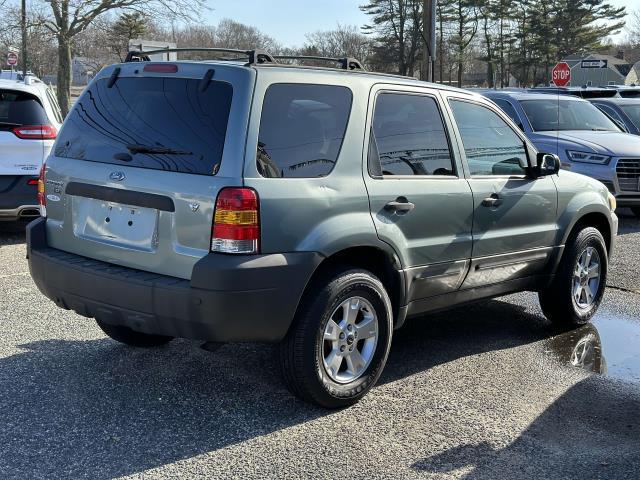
(155, 123)
(19, 108)
(410, 136)
(302, 129)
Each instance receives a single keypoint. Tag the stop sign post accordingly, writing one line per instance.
(12, 59)
(561, 74)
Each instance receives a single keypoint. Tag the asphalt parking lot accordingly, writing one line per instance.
(481, 392)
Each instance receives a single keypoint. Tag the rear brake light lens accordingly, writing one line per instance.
(42, 199)
(35, 132)
(161, 68)
(236, 224)
(33, 182)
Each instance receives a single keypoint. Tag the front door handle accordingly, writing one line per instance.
(493, 201)
(400, 205)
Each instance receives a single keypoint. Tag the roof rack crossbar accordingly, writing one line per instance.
(254, 56)
(346, 63)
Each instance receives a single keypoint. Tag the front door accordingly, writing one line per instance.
(514, 221)
(420, 201)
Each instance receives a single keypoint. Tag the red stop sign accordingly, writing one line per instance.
(561, 74)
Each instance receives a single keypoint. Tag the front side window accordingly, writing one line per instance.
(550, 115)
(490, 145)
(302, 129)
(633, 112)
(410, 137)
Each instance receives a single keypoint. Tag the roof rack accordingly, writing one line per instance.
(346, 63)
(256, 57)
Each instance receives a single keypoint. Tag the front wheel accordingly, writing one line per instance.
(578, 288)
(339, 342)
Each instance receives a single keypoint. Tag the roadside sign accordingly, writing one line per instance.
(594, 64)
(561, 74)
(12, 59)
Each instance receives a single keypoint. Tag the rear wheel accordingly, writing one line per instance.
(130, 337)
(578, 288)
(339, 342)
(636, 211)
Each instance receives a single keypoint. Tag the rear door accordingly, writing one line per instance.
(514, 220)
(21, 148)
(420, 202)
(135, 172)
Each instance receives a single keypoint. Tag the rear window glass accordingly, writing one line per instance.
(302, 129)
(155, 123)
(19, 108)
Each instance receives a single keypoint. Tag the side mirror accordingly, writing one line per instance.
(546, 164)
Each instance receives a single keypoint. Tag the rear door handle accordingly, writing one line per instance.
(400, 205)
(493, 201)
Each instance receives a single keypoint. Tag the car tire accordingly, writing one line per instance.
(636, 211)
(341, 313)
(570, 299)
(132, 338)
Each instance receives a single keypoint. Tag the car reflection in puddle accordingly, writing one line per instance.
(608, 345)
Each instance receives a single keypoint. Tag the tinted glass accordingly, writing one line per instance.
(19, 108)
(155, 123)
(557, 114)
(410, 136)
(490, 145)
(302, 129)
(509, 110)
(633, 112)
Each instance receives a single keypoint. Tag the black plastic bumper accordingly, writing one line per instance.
(229, 298)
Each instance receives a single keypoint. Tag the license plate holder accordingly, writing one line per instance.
(116, 224)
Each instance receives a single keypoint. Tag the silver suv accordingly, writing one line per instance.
(314, 207)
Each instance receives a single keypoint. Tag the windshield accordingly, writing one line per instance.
(20, 108)
(155, 123)
(557, 114)
(633, 112)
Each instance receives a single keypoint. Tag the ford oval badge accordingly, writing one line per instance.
(117, 176)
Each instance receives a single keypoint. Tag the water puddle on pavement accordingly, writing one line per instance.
(610, 345)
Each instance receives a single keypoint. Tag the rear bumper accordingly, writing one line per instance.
(229, 298)
(17, 198)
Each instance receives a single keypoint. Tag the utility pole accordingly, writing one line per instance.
(23, 26)
(429, 38)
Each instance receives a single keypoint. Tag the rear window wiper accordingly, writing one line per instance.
(136, 148)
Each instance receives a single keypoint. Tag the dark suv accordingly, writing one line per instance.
(315, 207)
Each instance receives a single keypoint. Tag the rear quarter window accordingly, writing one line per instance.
(154, 122)
(302, 129)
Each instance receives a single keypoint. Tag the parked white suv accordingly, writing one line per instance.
(29, 122)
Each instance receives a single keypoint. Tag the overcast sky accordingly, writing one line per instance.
(289, 20)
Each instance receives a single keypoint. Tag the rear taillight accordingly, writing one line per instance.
(35, 132)
(42, 199)
(34, 182)
(236, 224)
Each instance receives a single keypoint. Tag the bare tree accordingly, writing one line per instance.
(72, 17)
(344, 41)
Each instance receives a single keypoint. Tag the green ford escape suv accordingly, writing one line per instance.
(315, 207)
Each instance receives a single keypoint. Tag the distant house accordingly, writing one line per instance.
(598, 70)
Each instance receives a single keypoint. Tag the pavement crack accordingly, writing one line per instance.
(623, 289)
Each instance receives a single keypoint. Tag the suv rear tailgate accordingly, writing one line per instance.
(110, 199)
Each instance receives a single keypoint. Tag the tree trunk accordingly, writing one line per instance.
(64, 73)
